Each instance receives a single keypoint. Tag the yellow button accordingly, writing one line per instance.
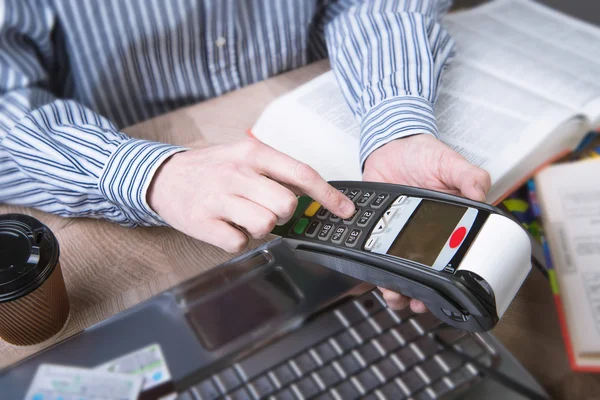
(312, 209)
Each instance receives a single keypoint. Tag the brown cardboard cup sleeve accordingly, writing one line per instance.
(34, 305)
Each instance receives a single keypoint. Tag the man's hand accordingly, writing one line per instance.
(206, 192)
(424, 161)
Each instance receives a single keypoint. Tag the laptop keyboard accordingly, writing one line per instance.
(361, 349)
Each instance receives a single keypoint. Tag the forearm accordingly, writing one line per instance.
(389, 58)
(59, 157)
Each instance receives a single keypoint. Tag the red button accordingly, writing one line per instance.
(457, 237)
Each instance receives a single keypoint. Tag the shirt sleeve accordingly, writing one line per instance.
(55, 154)
(388, 57)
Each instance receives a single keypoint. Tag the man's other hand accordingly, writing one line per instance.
(424, 161)
(206, 193)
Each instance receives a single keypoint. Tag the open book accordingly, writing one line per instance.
(522, 91)
(569, 196)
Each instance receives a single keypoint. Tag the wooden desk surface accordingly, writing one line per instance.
(108, 268)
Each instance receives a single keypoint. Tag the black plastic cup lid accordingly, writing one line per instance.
(28, 255)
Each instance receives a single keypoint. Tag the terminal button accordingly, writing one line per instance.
(379, 227)
(400, 200)
(300, 226)
(387, 216)
(339, 234)
(354, 193)
(326, 231)
(457, 237)
(379, 200)
(312, 209)
(353, 237)
(323, 213)
(312, 228)
(370, 243)
(365, 198)
(365, 218)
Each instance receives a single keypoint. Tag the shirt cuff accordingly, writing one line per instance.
(395, 118)
(127, 176)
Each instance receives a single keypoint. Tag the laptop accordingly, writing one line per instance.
(267, 326)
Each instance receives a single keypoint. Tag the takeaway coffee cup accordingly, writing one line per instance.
(33, 299)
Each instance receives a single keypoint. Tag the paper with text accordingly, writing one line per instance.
(570, 198)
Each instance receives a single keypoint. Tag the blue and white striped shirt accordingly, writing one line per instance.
(73, 72)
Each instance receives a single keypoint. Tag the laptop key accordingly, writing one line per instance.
(262, 386)
(392, 391)
(371, 396)
(326, 352)
(185, 396)
(284, 374)
(240, 394)
(388, 342)
(286, 394)
(368, 380)
(325, 396)
(350, 314)
(229, 379)
(413, 381)
(432, 369)
(369, 353)
(440, 388)
(460, 376)
(407, 332)
(408, 357)
(384, 320)
(469, 346)
(347, 391)
(307, 387)
(349, 364)
(424, 395)
(207, 390)
(387, 368)
(305, 363)
(365, 330)
(329, 376)
(346, 341)
(450, 359)
(428, 346)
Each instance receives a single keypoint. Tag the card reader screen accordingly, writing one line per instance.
(426, 232)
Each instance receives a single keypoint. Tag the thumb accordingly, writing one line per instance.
(473, 182)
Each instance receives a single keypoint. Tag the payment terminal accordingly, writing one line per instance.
(464, 259)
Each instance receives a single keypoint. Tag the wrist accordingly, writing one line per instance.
(396, 118)
(158, 185)
(127, 176)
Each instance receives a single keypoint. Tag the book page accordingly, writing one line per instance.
(525, 41)
(559, 29)
(548, 51)
(517, 67)
(496, 125)
(314, 124)
(570, 198)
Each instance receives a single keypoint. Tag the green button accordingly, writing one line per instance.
(300, 226)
